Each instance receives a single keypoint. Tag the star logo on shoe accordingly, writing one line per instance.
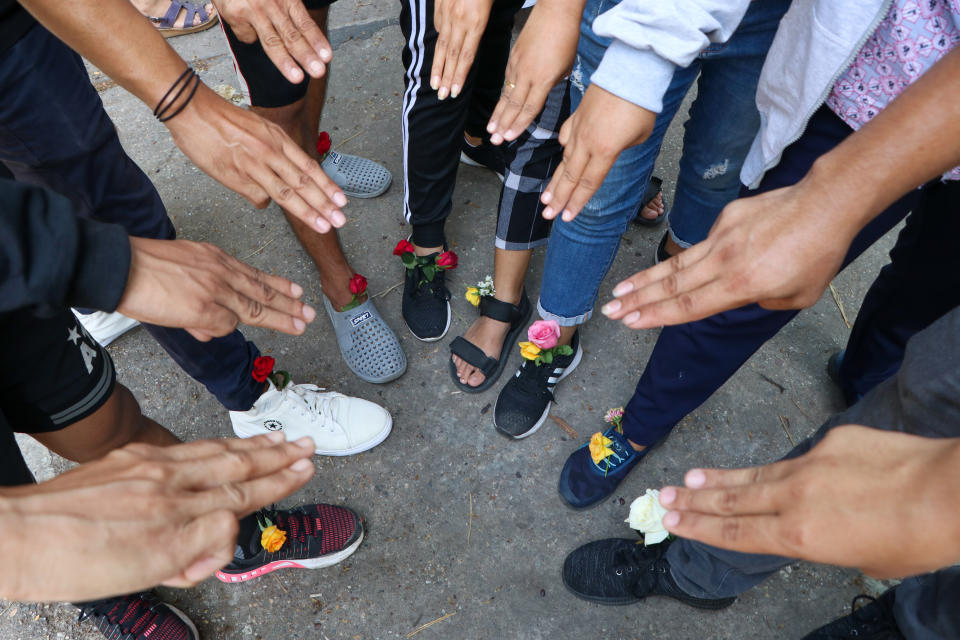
(273, 425)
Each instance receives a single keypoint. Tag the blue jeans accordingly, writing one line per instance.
(723, 122)
(54, 133)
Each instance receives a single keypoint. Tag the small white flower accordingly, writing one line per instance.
(485, 287)
(646, 516)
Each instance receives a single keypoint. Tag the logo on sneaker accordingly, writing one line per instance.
(363, 317)
(273, 425)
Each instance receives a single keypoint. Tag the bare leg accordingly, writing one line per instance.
(510, 269)
(117, 423)
(300, 121)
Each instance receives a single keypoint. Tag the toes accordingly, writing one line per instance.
(476, 379)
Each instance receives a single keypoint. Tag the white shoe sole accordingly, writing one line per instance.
(470, 162)
(546, 412)
(366, 446)
(308, 563)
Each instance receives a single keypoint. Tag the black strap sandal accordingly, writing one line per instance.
(655, 187)
(470, 353)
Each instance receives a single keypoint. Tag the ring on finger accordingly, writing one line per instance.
(509, 85)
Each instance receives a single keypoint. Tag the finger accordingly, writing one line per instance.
(311, 31)
(439, 60)
(274, 46)
(246, 497)
(751, 534)
(206, 544)
(258, 304)
(510, 104)
(565, 180)
(468, 52)
(295, 40)
(532, 105)
(202, 335)
(212, 446)
(690, 306)
(453, 46)
(746, 500)
(329, 192)
(590, 180)
(239, 465)
(678, 281)
(302, 194)
(646, 277)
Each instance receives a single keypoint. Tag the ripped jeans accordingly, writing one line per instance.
(723, 121)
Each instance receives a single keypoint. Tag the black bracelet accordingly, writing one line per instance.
(162, 117)
(180, 79)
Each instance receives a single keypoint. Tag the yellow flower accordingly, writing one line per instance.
(600, 447)
(473, 296)
(529, 351)
(272, 538)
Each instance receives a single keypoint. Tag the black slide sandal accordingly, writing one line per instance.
(517, 316)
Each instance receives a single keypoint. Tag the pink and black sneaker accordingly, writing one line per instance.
(309, 537)
(140, 616)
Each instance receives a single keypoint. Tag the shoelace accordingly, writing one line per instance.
(436, 288)
(132, 614)
(311, 400)
(297, 523)
(533, 379)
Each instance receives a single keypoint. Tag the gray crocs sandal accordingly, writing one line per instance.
(358, 177)
(367, 344)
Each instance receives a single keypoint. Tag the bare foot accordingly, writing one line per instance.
(654, 208)
(159, 8)
(487, 334)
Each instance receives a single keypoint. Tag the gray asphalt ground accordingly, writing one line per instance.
(463, 525)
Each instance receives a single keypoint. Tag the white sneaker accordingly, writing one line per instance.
(339, 425)
(105, 327)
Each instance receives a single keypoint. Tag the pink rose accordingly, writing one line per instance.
(544, 333)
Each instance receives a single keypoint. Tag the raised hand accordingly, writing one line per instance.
(459, 25)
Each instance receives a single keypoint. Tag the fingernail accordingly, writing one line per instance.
(454, 91)
(326, 55)
(302, 465)
(295, 74)
(546, 197)
(442, 93)
(306, 442)
(491, 126)
(296, 290)
(509, 135)
(567, 215)
(631, 318)
(695, 478)
(611, 307)
(622, 289)
(309, 313)
(340, 200)
(435, 83)
(496, 138)
(299, 325)
(667, 496)
(316, 68)
(275, 437)
(548, 213)
(672, 519)
(339, 219)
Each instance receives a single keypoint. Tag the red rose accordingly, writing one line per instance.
(323, 143)
(262, 367)
(402, 247)
(447, 260)
(358, 284)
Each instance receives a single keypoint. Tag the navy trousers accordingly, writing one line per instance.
(55, 133)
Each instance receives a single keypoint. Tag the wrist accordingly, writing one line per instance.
(845, 202)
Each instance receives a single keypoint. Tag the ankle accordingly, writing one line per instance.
(636, 447)
(425, 251)
(473, 141)
(672, 247)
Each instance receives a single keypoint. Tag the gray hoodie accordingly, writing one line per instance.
(816, 42)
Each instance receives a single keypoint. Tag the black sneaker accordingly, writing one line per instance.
(485, 155)
(317, 536)
(140, 616)
(872, 621)
(426, 303)
(624, 571)
(524, 402)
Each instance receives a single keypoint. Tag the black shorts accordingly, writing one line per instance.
(262, 83)
(55, 374)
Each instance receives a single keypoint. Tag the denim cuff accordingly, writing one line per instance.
(563, 321)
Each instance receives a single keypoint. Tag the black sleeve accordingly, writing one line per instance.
(51, 258)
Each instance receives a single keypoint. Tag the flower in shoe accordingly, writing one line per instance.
(262, 368)
(272, 538)
(447, 260)
(473, 296)
(615, 417)
(646, 516)
(544, 333)
(323, 145)
(529, 351)
(358, 285)
(404, 246)
(600, 447)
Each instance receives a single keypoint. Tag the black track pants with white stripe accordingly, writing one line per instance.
(433, 129)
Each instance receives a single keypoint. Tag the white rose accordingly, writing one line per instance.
(646, 516)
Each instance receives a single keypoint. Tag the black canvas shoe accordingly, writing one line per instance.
(426, 303)
(316, 536)
(140, 616)
(624, 571)
(524, 402)
(485, 155)
(872, 621)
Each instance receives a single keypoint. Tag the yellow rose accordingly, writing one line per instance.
(600, 447)
(272, 538)
(473, 296)
(529, 351)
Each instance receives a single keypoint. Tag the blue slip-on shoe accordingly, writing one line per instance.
(584, 483)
